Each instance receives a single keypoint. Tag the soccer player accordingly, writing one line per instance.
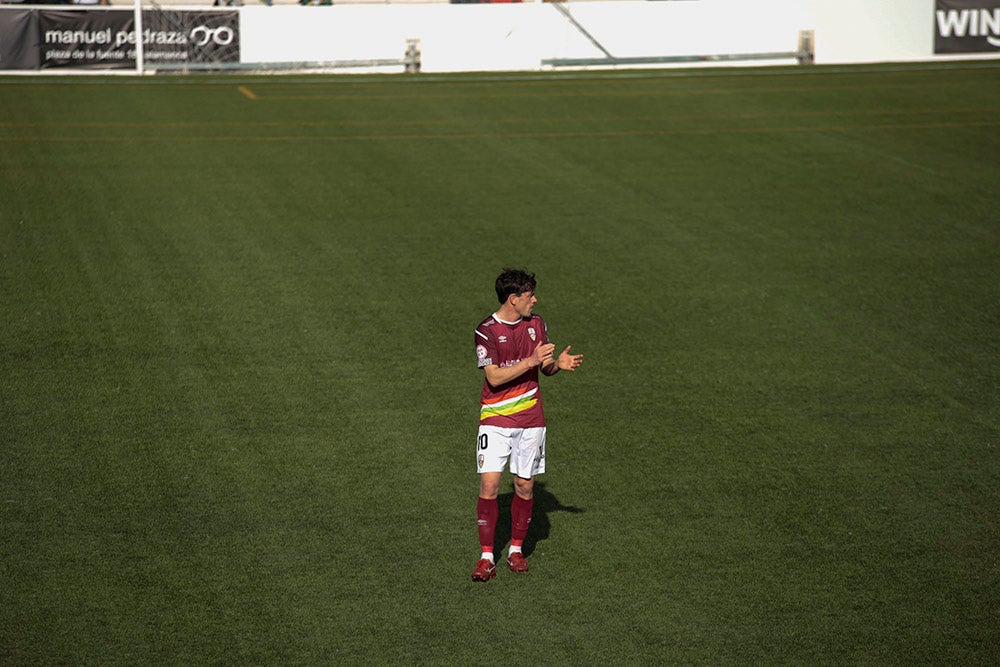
(512, 345)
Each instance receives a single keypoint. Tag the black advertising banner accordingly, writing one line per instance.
(89, 38)
(18, 39)
(967, 26)
(191, 36)
(106, 38)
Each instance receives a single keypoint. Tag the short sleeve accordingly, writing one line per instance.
(486, 348)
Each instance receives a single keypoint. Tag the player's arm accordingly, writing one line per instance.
(542, 356)
(565, 362)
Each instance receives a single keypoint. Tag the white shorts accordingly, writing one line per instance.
(525, 447)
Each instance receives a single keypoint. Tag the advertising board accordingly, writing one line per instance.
(106, 38)
(18, 39)
(966, 26)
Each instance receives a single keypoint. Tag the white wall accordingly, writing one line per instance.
(854, 31)
(519, 36)
(483, 37)
(866, 31)
(699, 27)
(465, 37)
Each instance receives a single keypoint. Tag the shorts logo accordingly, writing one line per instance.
(531, 333)
(482, 460)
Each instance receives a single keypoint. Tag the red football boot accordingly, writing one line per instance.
(485, 570)
(517, 562)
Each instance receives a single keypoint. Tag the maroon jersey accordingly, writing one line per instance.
(518, 403)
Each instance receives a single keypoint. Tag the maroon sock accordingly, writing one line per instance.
(487, 513)
(520, 519)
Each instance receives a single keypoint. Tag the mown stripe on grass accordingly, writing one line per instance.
(520, 135)
(521, 120)
(609, 93)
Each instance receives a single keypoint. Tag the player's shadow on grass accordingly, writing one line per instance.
(545, 504)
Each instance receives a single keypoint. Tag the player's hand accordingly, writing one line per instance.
(567, 361)
(542, 354)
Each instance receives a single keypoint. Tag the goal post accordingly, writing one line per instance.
(139, 55)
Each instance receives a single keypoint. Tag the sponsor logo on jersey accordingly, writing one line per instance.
(481, 351)
(502, 339)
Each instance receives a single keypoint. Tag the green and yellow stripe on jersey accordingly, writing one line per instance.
(508, 404)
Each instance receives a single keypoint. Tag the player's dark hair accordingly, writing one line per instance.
(514, 281)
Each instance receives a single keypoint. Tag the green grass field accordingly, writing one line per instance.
(239, 392)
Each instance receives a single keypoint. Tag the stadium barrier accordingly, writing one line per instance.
(804, 55)
(535, 36)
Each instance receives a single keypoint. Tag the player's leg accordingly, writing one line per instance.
(521, 507)
(527, 460)
(487, 512)
(492, 452)
(524, 488)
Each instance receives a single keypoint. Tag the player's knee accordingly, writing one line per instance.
(524, 487)
(489, 488)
